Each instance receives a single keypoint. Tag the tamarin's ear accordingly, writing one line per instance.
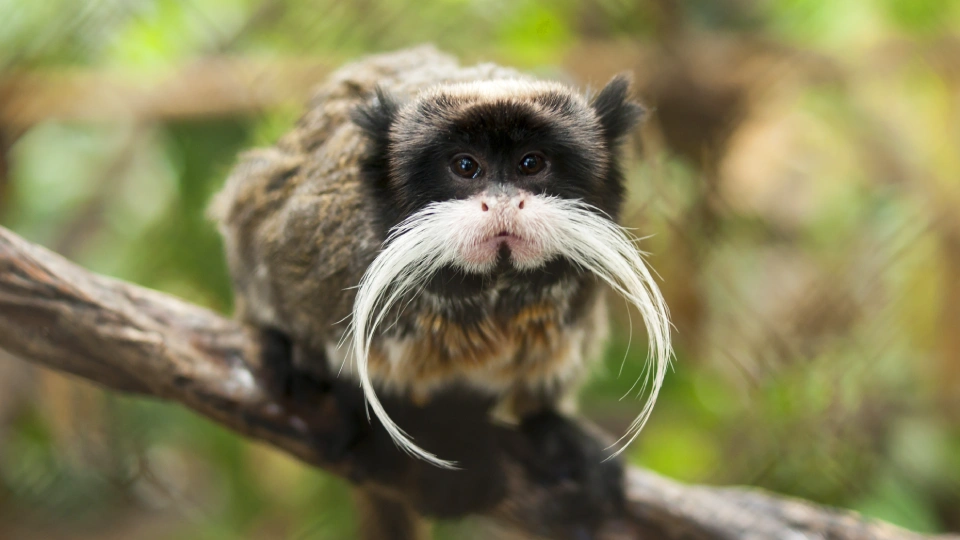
(374, 118)
(617, 113)
(377, 115)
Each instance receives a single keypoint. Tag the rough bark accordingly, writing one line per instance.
(131, 339)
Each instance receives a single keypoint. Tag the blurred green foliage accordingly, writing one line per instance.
(809, 253)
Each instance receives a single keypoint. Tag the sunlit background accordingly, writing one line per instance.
(799, 175)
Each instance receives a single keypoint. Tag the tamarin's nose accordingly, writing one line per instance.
(504, 202)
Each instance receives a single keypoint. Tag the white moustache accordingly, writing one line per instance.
(458, 233)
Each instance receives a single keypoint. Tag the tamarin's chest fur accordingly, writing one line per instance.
(499, 342)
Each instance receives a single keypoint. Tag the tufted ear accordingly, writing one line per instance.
(617, 113)
(377, 115)
(374, 118)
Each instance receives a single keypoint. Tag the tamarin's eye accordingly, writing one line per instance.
(465, 166)
(532, 164)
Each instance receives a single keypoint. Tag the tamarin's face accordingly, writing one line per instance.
(509, 178)
(496, 157)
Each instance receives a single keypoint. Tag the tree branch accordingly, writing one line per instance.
(131, 339)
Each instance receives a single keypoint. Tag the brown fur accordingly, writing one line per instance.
(518, 353)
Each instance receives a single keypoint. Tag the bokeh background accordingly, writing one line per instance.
(799, 175)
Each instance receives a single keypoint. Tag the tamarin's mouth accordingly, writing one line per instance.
(505, 235)
(504, 246)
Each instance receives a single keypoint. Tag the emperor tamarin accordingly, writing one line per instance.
(428, 224)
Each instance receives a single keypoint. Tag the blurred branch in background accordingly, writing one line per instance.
(134, 340)
(205, 88)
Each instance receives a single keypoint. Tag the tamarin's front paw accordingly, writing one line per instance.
(567, 453)
(330, 412)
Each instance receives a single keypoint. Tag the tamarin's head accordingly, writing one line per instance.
(510, 177)
(495, 155)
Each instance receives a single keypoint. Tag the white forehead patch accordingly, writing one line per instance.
(499, 89)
